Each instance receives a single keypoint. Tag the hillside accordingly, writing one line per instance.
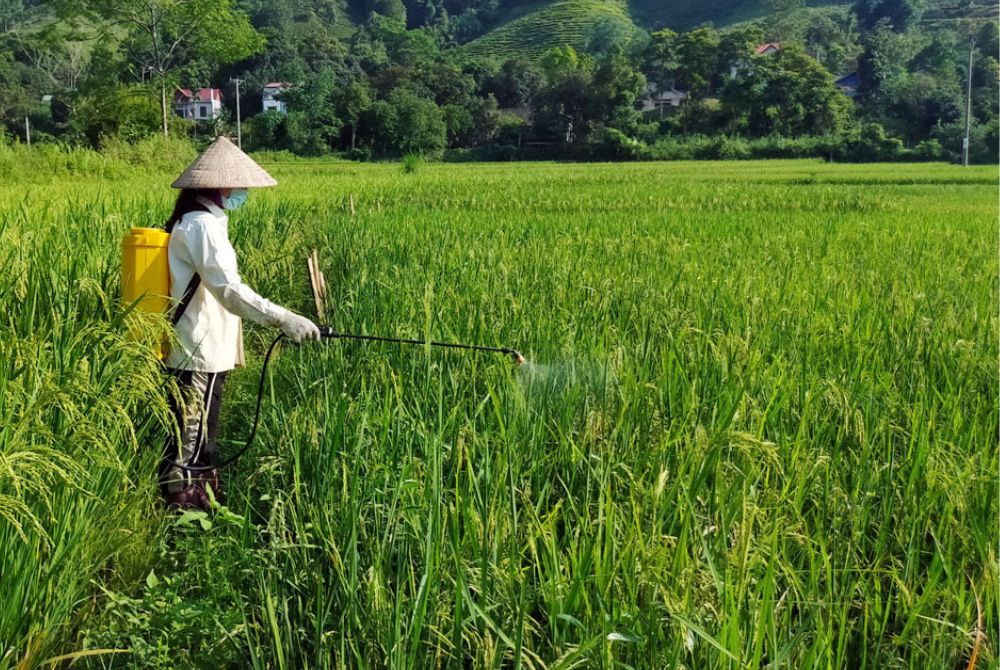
(686, 14)
(529, 30)
(562, 22)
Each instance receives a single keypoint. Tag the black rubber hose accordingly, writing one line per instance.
(253, 428)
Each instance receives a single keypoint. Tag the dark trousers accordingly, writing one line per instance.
(196, 411)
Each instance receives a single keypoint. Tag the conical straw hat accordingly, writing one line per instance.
(223, 165)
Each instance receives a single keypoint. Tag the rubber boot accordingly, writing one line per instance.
(193, 497)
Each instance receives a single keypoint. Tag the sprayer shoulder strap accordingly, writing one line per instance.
(182, 306)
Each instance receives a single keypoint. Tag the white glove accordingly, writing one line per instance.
(298, 328)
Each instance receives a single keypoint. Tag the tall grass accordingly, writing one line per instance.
(79, 403)
(117, 160)
(759, 428)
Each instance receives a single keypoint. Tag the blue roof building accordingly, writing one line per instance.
(849, 84)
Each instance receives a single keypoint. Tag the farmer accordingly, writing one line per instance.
(211, 300)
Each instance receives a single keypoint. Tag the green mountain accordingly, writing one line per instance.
(552, 25)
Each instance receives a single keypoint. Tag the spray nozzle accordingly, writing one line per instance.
(517, 356)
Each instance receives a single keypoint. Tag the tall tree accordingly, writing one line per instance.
(164, 33)
(697, 55)
(316, 126)
(660, 59)
(882, 65)
(787, 93)
(515, 83)
(562, 104)
(832, 38)
(609, 33)
(57, 52)
(559, 61)
(15, 99)
(11, 11)
(416, 124)
(615, 89)
(354, 102)
(737, 50)
(900, 14)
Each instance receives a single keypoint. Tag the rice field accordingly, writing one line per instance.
(758, 430)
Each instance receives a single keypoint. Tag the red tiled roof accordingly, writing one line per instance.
(277, 84)
(206, 94)
(201, 95)
(761, 48)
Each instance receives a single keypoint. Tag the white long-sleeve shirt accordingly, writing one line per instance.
(210, 332)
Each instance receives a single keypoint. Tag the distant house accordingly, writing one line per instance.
(657, 99)
(200, 105)
(849, 84)
(270, 96)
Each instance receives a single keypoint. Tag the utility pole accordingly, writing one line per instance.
(968, 106)
(27, 130)
(239, 126)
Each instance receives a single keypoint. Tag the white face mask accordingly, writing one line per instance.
(235, 199)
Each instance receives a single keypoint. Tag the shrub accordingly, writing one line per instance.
(282, 156)
(613, 144)
(672, 148)
(872, 144)
(729, 148)
(983, 141)
(777, 146)
(412, 163)
(360, 154)
(502, 152)
(268, 130)
(929, 150)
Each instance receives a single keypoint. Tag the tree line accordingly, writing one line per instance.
(380, 78)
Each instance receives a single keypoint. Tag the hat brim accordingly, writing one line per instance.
(224, 165)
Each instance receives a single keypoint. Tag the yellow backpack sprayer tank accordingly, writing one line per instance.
(145, 271)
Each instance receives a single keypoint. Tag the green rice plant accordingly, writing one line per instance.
(79, 401)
